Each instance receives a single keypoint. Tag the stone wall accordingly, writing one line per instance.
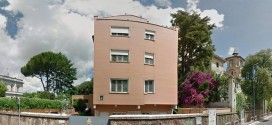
(178, 119)
(12, 118)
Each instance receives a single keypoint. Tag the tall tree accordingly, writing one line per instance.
(195, 46)
(257, 73)
(3, 89)
(85, 88)
(54, 70)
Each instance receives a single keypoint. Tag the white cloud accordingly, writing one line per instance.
(215, 17)
(231, 50)
(192, 5)
(66, 27)
(2, 22)
(163, 3)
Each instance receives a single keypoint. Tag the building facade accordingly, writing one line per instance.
(14, 86)
(235, 64)
(135, 66)
(217, 64)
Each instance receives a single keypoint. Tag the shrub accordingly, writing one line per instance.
(29, 103)
(80, 106)
(269, 105)
(196, 89)
(241, 102)
(3, 89)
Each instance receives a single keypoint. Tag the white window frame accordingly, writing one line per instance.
(150, 35)
(153, 84)
(121, 55)
(150, 57)
(116, 86)
(119, 31)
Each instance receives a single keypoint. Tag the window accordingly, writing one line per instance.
(119, 31)
(231, 63)
(149, 35)
(149, 86)
(217, 64)
(119, 55)
(149, 58)
(119, 85)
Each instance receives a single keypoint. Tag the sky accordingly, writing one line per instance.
(29, 27)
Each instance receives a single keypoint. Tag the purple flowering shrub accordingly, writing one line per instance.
(196, 89)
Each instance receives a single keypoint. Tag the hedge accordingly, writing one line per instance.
(29, 103)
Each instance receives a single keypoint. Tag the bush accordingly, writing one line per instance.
(196, 89)
(3, 89)
(241, 102)
(40, 94)
(269, 105)
(29, 103)
(80, 106)
(45, 95)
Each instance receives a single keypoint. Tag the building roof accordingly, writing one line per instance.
(132, 18)
(219, 57)
(127, 17)
(5, 77)
(235, 56)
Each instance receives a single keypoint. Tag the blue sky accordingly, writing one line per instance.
(28, 27)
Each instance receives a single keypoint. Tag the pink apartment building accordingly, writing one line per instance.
(135, 66)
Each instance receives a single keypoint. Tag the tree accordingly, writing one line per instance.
(195, 46)
(196, 89)
(261, 62)
(85, 88)
(54, 70)
(3, 89)
(220, 89)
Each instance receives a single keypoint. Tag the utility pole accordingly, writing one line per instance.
(254, 68)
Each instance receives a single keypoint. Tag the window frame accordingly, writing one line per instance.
(146, 56)
(113, 52)
(122, 86)
(119, 34)
(148, 89)
(151, 35)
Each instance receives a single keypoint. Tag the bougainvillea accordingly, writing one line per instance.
(196, 89)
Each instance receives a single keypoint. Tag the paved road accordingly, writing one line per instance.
(266, 121)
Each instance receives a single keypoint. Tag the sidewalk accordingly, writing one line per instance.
(257, 122)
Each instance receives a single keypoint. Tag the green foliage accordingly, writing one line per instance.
(241, 102)
(85, 88)
(269, 105)
(45, 95)
(221, 88)
(80, 106)
(29, 94)
(40, 94)
(3, 89)
(54, 70)
(262, 80)
(195, 46)
(29, 103)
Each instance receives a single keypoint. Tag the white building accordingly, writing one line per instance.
(217, 64)
(14, 86)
